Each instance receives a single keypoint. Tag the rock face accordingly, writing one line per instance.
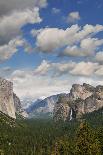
(42, 108)
(18, 107)
(6, 98)
(9, 102)
(82, 99)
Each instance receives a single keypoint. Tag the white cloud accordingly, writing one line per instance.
(5, 71)
(43, 68)
(87, 47)
(59, 69)
(54, 69)
(33, 84)
(55, 10)
(35, 32)
(84, 69)
(26, 84)
(73, 17)
(66, 68)
(50, 39)
(8, 50)
(11, 24)
(99, 56)
(7, 6)
(76, 51)
(99, 72)
(91, 43)
(13, 17)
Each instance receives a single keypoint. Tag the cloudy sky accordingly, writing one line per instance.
(47, 45)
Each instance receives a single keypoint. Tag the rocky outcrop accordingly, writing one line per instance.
(9, 102)
(42, 108)
(81, 91)
(61, 110)
(6, 98)
(82, 99)
(18, 107)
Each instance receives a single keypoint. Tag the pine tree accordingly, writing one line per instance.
(62, 147)
(86, 141)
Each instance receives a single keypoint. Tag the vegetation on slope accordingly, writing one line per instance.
(44, 137)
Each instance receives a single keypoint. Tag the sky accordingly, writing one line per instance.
(48, 45)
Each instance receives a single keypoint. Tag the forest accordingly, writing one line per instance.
(44, 137)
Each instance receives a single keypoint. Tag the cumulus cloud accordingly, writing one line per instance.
(52, 39)
(67, 69)
(5, 71)
(14, 14)
(99, 72)
(73, 17)
(84, 69)
(87, 47)
(59, 69)
(10, 29)
(54, 69)
(7, 6)
(29, 84)
(35, 32)
(11, 24)
(76, 51)
(33, 84)
(99, 56)
(43, 68)
(55, 10)
(8, 50)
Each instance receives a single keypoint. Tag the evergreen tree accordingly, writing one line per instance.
(62, 147)
(86, 141)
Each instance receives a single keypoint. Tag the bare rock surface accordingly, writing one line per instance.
(9, 103)
(82, 99)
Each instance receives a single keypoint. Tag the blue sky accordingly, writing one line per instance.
(59, 43)
(90, 13)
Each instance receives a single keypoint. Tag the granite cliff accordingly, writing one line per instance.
(9, 102)
(42, 108)
(82, 99)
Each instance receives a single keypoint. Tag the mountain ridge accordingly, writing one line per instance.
(82, 99)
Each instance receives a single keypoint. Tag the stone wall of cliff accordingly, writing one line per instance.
(6, 98)
(9, 103)
(82, 99)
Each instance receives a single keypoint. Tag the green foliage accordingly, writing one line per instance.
(86, 141)
(63, 146)
(44, 137)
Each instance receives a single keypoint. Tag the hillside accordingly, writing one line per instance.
(26, 137)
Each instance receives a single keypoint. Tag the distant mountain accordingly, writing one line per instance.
(43, 108)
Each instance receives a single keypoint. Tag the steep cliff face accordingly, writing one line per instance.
(18, 107)
(6, 98)
(82, 99)
(9, 102)
(61, 111)
(81, 91)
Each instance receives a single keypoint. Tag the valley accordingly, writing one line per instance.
(51, 126)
